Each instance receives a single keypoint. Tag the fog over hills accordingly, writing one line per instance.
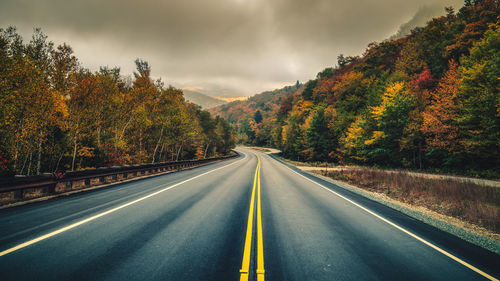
(201, 99)
(424, 14)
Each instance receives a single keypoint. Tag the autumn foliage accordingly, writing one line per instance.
(429, 100)
(56, 115)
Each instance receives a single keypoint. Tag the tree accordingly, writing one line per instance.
(208, 125)
(410, 62)
(356, 143)
(479, 100)
(308, 90)
(257, 117)
(317, 137)
(54, 114)
(64, 65)
(439, 124)
(392, 116)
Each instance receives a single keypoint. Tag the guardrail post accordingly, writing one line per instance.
(18, 194)
(51, 188)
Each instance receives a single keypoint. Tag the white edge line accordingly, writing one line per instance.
(76, 224)
(477, 270)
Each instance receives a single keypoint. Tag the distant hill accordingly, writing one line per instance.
(201, 99)
(268, 103)
(428, 100)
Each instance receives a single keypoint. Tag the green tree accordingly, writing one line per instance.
(318, 137)
(257, 117)
(479, 100)
(392, 116)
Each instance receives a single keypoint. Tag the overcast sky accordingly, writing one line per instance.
(221, 47)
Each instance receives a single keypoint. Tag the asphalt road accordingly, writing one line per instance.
(192, 225)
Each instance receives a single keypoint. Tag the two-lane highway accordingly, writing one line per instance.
(188, 231)
(252, 214)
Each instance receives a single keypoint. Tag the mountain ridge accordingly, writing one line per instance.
(201, 99)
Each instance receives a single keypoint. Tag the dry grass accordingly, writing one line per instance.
(463, 199)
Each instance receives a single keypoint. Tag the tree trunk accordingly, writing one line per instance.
(16, 153)
(179, 152)
(125, 127)
(29, 163)
(140, 140)
(161, 152)
(39, 160)
(58, 161)
(74, 155)
(420, 155)
(15, 157)
(206, 149)
(157, 144)
(99, 137)
(24, 163)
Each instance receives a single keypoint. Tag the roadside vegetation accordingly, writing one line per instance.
(470, 201)
(57, 115)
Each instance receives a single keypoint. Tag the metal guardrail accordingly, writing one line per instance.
(49, 184)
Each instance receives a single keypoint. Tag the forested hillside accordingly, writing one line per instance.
(201, 99)
(254, 117)
(428, 100)
(57, 115)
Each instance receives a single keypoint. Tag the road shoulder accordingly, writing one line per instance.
(412, 211)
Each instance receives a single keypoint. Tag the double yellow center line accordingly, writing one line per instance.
(245, 265)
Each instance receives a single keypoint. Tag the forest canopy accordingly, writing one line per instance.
(56, 115)
(429, 100)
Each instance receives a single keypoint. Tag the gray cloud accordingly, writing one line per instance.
(420, 18)
(223, 46)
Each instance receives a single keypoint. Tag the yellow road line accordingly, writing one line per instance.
(260, 245)
(462, 262)
(245, 265)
